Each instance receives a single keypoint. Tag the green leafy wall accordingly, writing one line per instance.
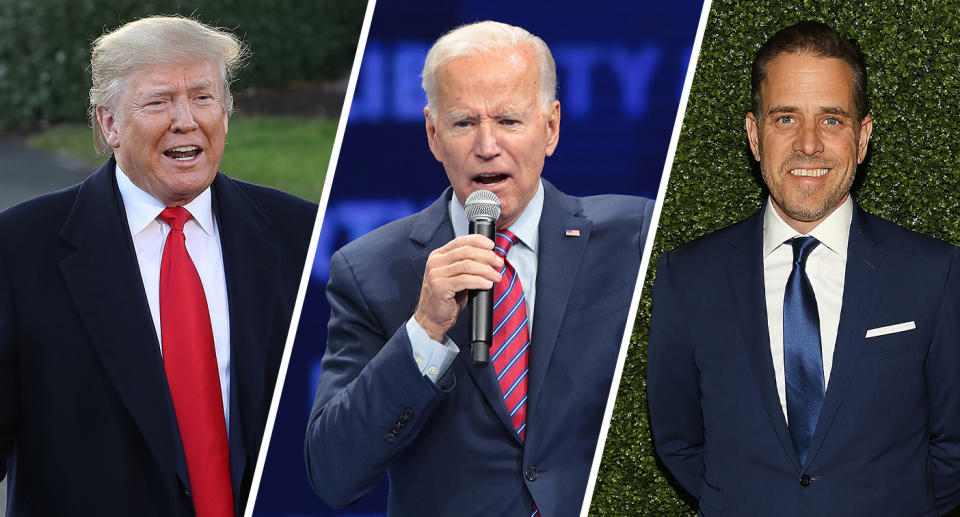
(911, 176)
(45, 46)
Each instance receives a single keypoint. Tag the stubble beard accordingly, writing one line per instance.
(802, 204)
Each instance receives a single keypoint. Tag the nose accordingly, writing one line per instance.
(486, 145)
(182, 117)
(808, 141)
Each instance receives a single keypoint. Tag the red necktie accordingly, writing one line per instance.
(511, 339)
(190, 360)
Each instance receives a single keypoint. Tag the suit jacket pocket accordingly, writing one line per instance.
(711, 498)
(592, 308)
(891, 342)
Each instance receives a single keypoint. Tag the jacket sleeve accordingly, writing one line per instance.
(943, 386)
(9, 378)
(372, 399)
(673, 385)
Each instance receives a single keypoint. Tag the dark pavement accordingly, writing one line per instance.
(27, 173)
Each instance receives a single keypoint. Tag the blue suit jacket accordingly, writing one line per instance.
(887, 442)
(85, 414)
(451, 450)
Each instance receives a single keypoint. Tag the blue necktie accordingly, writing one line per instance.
(802, 359)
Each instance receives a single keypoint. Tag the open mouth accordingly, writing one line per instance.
(809, 173)
(490, 178)
(183, 153)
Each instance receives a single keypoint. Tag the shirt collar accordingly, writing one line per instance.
(833, 232)
(142, 208)
(525, 227)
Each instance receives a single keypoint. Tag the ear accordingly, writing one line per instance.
(553, 127)
(866, 129)
(108, 126)
(226, 123)
(753, 135)
(431, 134)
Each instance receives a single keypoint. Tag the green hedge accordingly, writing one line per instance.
(45, 46)
(911, 176)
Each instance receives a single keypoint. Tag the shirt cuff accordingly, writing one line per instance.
(433, 358)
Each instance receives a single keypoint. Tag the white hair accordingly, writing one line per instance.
(480, 38)
(138, 45)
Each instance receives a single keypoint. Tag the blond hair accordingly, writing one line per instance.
(140, 44)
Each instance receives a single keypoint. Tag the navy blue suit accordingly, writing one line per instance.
(451, 449)
(86, 419)
(887, 442)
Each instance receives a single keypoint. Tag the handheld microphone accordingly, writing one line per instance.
(483, 209)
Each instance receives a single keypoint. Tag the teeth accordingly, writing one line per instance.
(809, 173)
(185, 149)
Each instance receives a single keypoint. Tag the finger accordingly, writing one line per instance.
(442, 278)
(463, 282)
(443, 257)
(474, 239)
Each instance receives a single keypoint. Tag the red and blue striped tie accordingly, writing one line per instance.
(511, 339)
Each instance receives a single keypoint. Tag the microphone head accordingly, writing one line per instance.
(482, 204)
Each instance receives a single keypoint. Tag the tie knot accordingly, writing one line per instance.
(802, 246)
(176, 217)
(504, 240)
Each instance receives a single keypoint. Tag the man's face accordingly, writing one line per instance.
(168, 130)
(491, 131)
(808, 139)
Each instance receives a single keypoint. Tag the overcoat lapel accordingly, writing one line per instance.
(251, 268)
(103, 279)
(744, 265)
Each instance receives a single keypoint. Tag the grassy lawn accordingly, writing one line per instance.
(283, 152)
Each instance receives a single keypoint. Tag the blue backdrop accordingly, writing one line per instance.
(621, 67)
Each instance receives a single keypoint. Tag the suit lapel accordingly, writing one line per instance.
(558, 261)
(744, 265)
(103, 279)
(250, 264)
(432, 230)
(859, 294)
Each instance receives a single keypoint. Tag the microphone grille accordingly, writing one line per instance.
(482, 203)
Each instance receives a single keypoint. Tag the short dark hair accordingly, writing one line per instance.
(820, 40)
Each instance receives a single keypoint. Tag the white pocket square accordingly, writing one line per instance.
(891, 329)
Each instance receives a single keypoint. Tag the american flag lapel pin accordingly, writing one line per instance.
(571, 233)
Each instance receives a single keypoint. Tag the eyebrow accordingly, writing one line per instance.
(514, 114)
(831, 110)
(201, 85)
(192, 87)
(457, 116)
(827, 110)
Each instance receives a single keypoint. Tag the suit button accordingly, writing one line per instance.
(531, 474)
(391, 437)
(407, 415)
(805, 481)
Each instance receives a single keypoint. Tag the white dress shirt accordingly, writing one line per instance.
(433, 357)
(203, 245)
(825, 267)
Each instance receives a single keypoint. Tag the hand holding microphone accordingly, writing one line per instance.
(464, 265)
